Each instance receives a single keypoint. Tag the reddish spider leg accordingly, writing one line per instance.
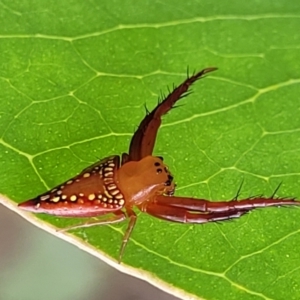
(143, 140)
(190, 210)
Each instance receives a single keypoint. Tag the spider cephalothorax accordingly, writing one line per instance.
(144, 179)
(114, 185)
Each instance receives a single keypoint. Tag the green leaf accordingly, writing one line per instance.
(74, 79)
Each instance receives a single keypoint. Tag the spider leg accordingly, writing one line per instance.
(205, 206)
(132, 216)
(119, 216)
(182, 215)
(143, 140)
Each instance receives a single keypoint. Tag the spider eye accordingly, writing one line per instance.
(160, 157)
(156, 164)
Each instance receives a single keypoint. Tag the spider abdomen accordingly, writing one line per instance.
(93, 192)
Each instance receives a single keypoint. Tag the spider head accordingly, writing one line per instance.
(142, 180)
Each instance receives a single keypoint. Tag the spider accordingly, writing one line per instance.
(113, 186)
